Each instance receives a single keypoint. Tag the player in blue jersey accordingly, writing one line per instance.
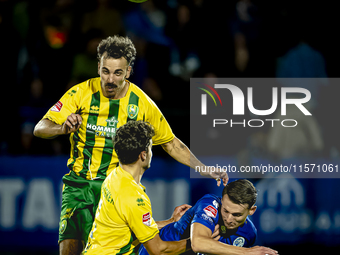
(230, 213)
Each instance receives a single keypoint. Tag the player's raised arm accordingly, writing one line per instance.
(179, 151)
(201, 242)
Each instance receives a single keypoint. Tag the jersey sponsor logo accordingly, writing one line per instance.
(147, 219)
(72, 92)
(112, 122)
(101, 130)
(94, 109)
(205, 217)
(210, 211)
(57, 107)
(132, 110)
(108, 131)
(239, 241)
(140, 202)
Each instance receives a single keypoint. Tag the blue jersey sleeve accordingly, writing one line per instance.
(206, 212)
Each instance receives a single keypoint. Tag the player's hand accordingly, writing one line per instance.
(261, 250)
(219, 175)
(179, 212)
(216, 234)
(216, 173)
(72, 123)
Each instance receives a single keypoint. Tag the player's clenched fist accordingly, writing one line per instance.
(72, 123)
(179, 211)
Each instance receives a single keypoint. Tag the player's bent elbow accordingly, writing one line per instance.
(36, 131)
(196, 245)
(41, 129)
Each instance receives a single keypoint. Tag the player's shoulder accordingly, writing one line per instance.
(210, 199)
(89, 86)
(208, 204)
(141, 94)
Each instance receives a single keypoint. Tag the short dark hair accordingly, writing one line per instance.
(241, 191)
(116, 47)
(131, 139)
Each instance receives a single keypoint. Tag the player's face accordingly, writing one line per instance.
(148, 156)
(113, 73)
(234, 215)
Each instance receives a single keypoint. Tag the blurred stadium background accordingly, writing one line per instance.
(48, 46)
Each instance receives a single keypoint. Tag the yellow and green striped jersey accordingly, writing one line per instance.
(92, 155)
(123, 216)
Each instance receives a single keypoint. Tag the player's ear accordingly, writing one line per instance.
(128, 72)
(252, 210)
(99, 68)
(143, 155)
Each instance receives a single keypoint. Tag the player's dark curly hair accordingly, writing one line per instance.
(116, 47)
(131, 139)
(241, 192)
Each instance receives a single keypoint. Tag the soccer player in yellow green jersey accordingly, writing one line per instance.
(91, 112)
(124, 214)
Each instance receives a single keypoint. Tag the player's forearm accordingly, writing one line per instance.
(179, 151)
(207, 245)
(47, 129)
(176, 247)
(163, 223)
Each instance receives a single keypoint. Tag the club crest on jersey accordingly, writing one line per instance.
(147, 219)
(239, 241)
(57, 107)
(210, 211)
(63, 225)
(132, 110)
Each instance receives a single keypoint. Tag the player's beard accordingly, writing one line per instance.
(111, 89)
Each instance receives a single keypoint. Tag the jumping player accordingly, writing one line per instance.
(237, 232)
(91, 112)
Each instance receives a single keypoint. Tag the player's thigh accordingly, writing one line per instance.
(70, 247)
(79, 203)
(68, 224)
